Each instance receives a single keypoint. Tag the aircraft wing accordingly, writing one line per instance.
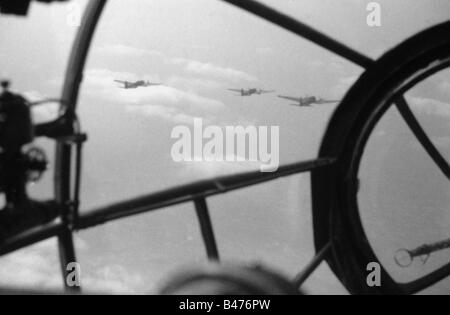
(326, 102)
(122, 82)
(235, 90)
(296, 99)
(263, 91)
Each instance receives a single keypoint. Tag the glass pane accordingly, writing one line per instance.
(346, 20)
(252, 226)
(136, 255)
(35, 48)
(430, 103)
(33, 55)
(404, 197)
(198, 50)
(33, 268)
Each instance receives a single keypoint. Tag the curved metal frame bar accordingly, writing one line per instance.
(415, 127)
(394, 74)
(62, 182)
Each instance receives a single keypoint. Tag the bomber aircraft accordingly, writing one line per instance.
(307, 100)
(250, 92)
(135, 85)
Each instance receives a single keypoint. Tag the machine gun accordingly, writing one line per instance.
(19, 166)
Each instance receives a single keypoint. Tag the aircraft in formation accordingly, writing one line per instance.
(250, 92)
(299, 101)
(135, 85)
(307, 100)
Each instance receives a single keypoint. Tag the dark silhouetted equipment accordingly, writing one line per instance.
(226, 279)
(19, 7)
(15, 131)
(19, 166)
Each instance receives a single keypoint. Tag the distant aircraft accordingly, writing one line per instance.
(307, 100)
(135, 85)
(250, 92)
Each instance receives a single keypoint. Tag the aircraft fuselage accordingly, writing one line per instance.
(135, 85)
(251, 91)
(307, 101)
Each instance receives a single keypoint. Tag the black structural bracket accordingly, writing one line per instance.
(19, 7)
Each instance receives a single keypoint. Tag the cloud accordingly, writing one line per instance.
(168, 113)
(194, 83)
(113, 279)
(127, 51)
(214, 71)
(429, 106)
(169, 96)
(333, 65)
(45, 112)
(189, 65)
(442, 142)
(37, 268)
(343, 86)
(160, 101)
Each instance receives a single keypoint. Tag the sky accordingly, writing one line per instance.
(198, 49)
